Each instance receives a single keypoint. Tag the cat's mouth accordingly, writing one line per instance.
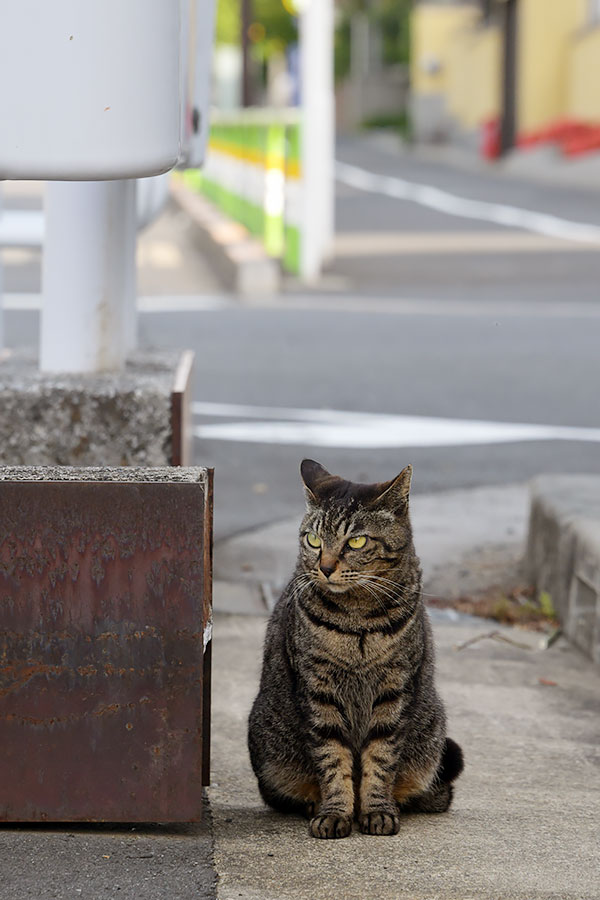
(336, 587)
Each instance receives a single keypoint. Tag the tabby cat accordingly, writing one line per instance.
(347, 722)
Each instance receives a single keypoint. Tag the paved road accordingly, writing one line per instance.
(482, 269)
(507, 368)
(505, 336)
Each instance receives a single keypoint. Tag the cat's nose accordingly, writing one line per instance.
(327, 570)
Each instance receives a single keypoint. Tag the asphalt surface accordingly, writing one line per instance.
(504, 337)
(524, 277)
(92, 862)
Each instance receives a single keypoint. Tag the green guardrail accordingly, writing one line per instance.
(253, 173)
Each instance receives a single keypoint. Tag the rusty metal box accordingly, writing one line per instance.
(105, 622)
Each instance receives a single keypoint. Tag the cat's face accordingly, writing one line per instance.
(353, 535)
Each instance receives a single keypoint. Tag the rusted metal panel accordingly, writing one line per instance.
(207, 674)
(181, 429)
(104, 609)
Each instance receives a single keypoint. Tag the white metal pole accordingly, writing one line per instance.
(1, 285)
(130, 230)
(86, 276)
(318, 133)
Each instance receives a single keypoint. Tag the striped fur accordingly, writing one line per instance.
(347, 723)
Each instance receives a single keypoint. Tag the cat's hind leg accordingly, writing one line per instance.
(289, 791)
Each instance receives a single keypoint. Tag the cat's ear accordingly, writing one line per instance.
(312, 473)
(394, 494)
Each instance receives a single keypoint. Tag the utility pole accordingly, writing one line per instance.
(508, 127)
(245, 22)
(318, 132)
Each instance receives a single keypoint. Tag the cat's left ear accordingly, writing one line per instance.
(394, 494)
(313, 475)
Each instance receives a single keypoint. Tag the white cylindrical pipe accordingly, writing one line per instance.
(318, 133)
(130, 230)
(1, 285)
(86, 276)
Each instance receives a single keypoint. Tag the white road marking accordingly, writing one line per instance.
(453, 205)
(356, 430)
(158, 304)
(388, 306)
(185, 303)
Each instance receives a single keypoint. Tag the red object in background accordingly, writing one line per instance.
(587, 142)
(490, 139)
(572, 136)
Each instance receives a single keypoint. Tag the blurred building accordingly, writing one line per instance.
(505, 72)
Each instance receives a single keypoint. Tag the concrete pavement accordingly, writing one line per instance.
(524, 824)
(525, 820)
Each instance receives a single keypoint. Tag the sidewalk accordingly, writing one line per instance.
(525, 819)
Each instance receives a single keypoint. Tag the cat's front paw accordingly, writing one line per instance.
(333, 825)
(379, 822)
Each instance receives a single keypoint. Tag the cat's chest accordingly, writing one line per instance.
(360, 650)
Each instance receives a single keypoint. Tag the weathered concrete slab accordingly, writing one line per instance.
(563, 553)
(119, 419)
(105, 628)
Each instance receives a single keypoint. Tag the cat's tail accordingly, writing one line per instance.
(452, 762)
(438, 797)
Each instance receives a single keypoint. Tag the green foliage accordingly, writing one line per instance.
(398, 122)
(546, 604)
(342, 49)
(280, 27)
(228, 22)
(392, 17)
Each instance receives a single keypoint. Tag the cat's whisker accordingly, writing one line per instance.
(399, 593)
(394, 596)
(300, 584)
(375, 596)
(390, 581)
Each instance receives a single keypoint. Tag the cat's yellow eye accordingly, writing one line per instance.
(357, 543)
(313, 540)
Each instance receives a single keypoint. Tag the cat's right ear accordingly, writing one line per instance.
(312, 474)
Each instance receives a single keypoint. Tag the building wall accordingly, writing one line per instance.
(474, 75)
(457, 66)
(584, 76)
(546, 29)
(434, 27)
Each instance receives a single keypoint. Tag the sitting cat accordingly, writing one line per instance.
(347, 722)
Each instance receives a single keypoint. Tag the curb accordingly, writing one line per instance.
(239, 260)
(563, 553)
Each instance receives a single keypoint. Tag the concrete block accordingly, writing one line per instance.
(563, 553)
(240, 260)
(133, 417)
